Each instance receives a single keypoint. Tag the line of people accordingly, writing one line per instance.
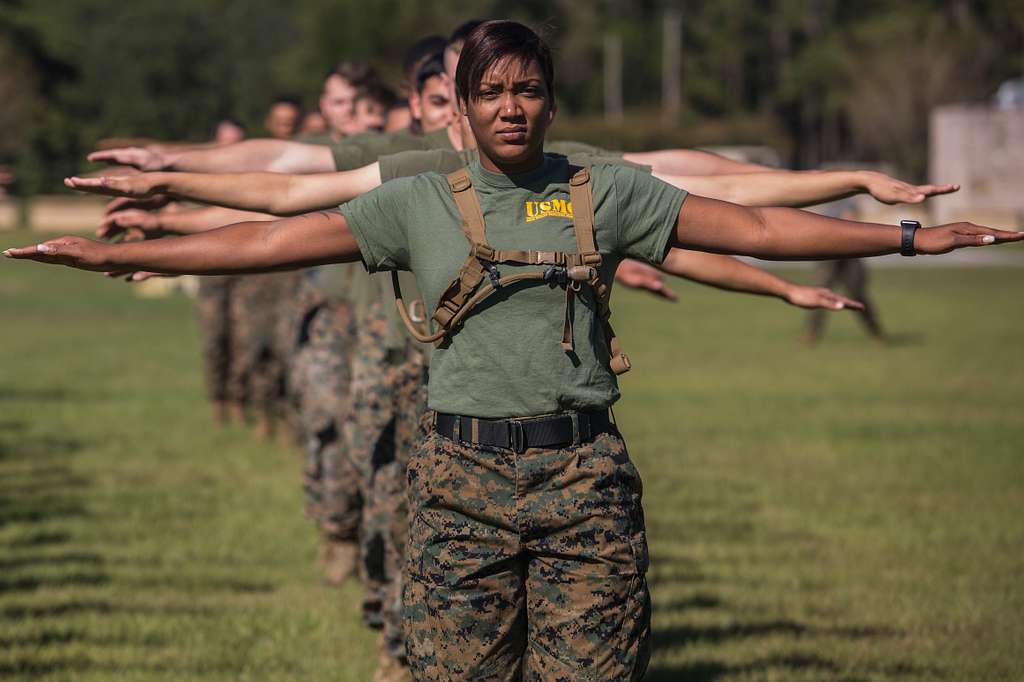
(523, 554)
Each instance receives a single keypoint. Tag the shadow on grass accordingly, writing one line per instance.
(782, 666)
(87, 558)
(38, 448)
(31, 667)
(103, 606)
(677, 635)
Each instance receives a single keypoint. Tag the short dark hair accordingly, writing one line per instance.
(433, 66)
(422, 50)
(377, 91)
(463, 30)
(287, 98)
(494, 41)
(356, 74)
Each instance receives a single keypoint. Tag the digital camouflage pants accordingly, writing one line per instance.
(526, 566)
(388, 399)
(257, 360)
(319, 380)
(213, 315)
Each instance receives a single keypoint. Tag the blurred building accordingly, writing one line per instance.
(981, 148)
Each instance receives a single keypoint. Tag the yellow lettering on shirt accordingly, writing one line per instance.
(556, 208)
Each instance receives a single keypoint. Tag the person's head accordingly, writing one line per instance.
(313, 123)
(370, 108)
(283, 117)
(399, 117)
(431, 103)
(341, 86)
(505, 83)
(451, 55)
(414, 58)
(227, 131)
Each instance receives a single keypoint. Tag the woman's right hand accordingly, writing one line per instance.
(74, 252)
(945, 238)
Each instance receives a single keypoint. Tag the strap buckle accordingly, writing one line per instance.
(494, 275)
(516, 437)
(483, 251)
(460, 184)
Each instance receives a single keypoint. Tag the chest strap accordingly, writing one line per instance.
(479, 277)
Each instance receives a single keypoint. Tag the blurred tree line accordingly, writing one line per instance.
(817, 79)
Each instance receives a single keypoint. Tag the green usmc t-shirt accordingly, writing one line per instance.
(506, 361)
(445, 161)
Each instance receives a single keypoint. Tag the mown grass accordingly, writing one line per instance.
(850, 512)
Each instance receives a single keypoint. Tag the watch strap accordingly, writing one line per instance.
(908, 228)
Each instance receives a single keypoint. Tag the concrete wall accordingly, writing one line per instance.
(8, 214)
(982, 149)
(66, 213)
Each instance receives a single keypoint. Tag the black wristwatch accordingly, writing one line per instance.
(907, 230)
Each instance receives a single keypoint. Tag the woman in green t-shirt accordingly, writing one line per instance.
(527, 551)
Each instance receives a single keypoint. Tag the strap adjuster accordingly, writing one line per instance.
(461, 184)
(483, 251)
(580, 177)
(516, 437)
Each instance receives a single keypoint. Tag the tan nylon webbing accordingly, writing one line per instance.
(582, 211)
(465, 291)
(468, 204)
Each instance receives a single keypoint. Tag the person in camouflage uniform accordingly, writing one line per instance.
(388, 399)
(319, 382)
(256, 378)
(213, 309)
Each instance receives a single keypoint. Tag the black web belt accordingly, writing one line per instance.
(555, 431)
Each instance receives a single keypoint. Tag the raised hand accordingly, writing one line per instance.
(817, 297)
(946, 238)
(637, 275)
(128, 222)
(139, 157)
(141, 186)
(150, 203)
(889, 190)
(74, 252)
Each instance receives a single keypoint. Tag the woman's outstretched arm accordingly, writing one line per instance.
(791, 234)
(276, 193)
(266, 246)
(804, 188)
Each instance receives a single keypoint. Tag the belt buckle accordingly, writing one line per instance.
(517, 437)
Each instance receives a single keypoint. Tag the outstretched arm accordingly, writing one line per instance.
(691, 162)
(790, 234)
(279, 156)
(803, 188)
(307, 240)
(276, 193)
(731, 274)
(163, 222)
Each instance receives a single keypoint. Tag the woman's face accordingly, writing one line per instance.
(509, 113)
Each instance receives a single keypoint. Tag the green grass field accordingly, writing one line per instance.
(844, 513)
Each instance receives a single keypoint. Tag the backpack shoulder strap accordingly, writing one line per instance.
(582, 211)
(468, 204)
(581, 195)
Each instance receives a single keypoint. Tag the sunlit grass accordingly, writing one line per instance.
(849, 512)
